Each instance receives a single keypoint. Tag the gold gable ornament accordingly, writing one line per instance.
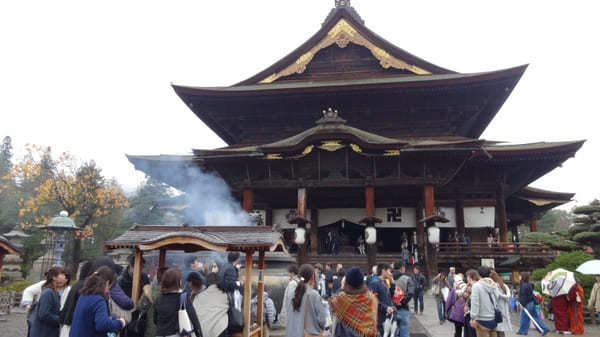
(331, 145)
(274, 156)
(342, 34)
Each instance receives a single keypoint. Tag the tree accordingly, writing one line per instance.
(8, 191)
(554, 220)
(6, 156)
(142, 209)
(59, 184)
(586, 229)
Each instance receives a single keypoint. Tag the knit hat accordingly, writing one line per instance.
(459, 283)
(355, 277)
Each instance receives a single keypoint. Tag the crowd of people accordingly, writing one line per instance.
(318, 301)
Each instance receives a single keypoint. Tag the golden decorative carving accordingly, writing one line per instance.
(308, 150)
(390, 153)
(356, 148)
(342, 34)
(331, 145)
(274, 156)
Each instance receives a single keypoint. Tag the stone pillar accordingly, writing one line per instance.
(370, 212)
(501, 211)
(247, 199)
(533, 225)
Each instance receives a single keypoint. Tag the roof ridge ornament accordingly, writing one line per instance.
(331, 116)
(342, 3)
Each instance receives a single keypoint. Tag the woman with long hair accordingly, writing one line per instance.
(503, 296)
(354, 308)
(306, 314)
(528, 302)
(455, 305)
(45, 319)
(91, 317)
(167, 305)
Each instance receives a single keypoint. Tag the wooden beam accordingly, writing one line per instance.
(533, 225)
(501, 211)
(460, 216)
(260, 290)
(247, 294)
(162, 258)
(137, 276)
(247, 199)
(181, 240)
(314, 231)
(302, 202)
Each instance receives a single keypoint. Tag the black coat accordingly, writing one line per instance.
(46, 319)
(166, 316)
(230, 278)
(66, 314)
(125, 281)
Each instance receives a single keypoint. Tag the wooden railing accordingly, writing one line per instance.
(491, 249)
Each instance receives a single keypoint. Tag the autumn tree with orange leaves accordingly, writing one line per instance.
(63, 183)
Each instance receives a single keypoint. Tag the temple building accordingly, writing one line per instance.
(360, 143)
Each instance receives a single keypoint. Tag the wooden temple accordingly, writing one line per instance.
(349, 132)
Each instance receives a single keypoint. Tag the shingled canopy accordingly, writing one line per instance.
(247, 239)
(6, 248)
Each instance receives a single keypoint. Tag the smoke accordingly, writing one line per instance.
(209, 199)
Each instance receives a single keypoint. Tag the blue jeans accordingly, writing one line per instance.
(525, 321)
(440, 309)
(418, 300)
(403, 318)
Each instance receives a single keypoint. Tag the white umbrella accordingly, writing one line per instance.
(591, 267)
(558, 282)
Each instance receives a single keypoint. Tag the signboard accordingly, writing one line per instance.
(479, 217)
(488, 263)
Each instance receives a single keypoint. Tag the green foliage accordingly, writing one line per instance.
(587, 237)
(16, 286)
(554, 220)
(554, 241)
(587, 210)
(578, 229)
(569, 261)
(142, 210)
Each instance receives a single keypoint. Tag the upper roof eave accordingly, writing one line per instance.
(338, 14)
(397, 81)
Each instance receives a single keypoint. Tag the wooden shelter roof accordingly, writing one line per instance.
(8, 248)
(193, 238)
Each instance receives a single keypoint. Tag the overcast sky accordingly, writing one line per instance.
(93, 78)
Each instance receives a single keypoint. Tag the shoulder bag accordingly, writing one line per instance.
(185, 325)
(497, 312)
(235, 317)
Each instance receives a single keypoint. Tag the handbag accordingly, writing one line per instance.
(117, 311)
(306, 334)
(235, 318)
(497, 312)
(185, 325)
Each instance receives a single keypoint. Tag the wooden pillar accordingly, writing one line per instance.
(501, 211)
(420, 231)
(247, 199)
(137, 276)
(247, 294)
(533, 225)
(314, 231)
(428, 200)
(460, 217)
(260, 290)
(162, 258)
(430, 250)
(370, 212)
(269, 217)
(302, 202)
(1, 263)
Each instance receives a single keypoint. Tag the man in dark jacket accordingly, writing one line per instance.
(329, 273)
(125, 280)
(196, 266)
(380, 288)
(66, 314)
(229, 280)
(407, 285)
(420, 282)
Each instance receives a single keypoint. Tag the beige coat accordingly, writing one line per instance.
(211, 307)
(594, 301)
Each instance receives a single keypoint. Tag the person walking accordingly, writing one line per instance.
(503, 296)
(594, 301)
(306, 313)
(355, 308)
(167, 305)
(289, 291)
(404, 290)
(528, 302)
(420, 282)
(451, 277)
(482, 302)
(576, 298)
(45, 318)
(211, 307)
(379, 287)
(439, 282)
(455, 306)
(91, 317)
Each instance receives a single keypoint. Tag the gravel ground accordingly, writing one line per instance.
(13, 325)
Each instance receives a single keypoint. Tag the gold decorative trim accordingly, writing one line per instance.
(390, 153)
(342, 34)
(356, 148)
(308, 150)
(331, 145)
(273, 156)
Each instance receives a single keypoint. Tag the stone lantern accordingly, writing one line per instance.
(55, 240)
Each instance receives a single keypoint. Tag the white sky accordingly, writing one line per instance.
(93, 78)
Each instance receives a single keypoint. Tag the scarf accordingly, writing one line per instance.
(357, 311)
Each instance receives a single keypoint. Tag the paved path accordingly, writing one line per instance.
(13, 325)
(430, 321)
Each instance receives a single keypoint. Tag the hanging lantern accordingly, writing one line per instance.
(370, 235)
(433, 235)
(300, 236)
